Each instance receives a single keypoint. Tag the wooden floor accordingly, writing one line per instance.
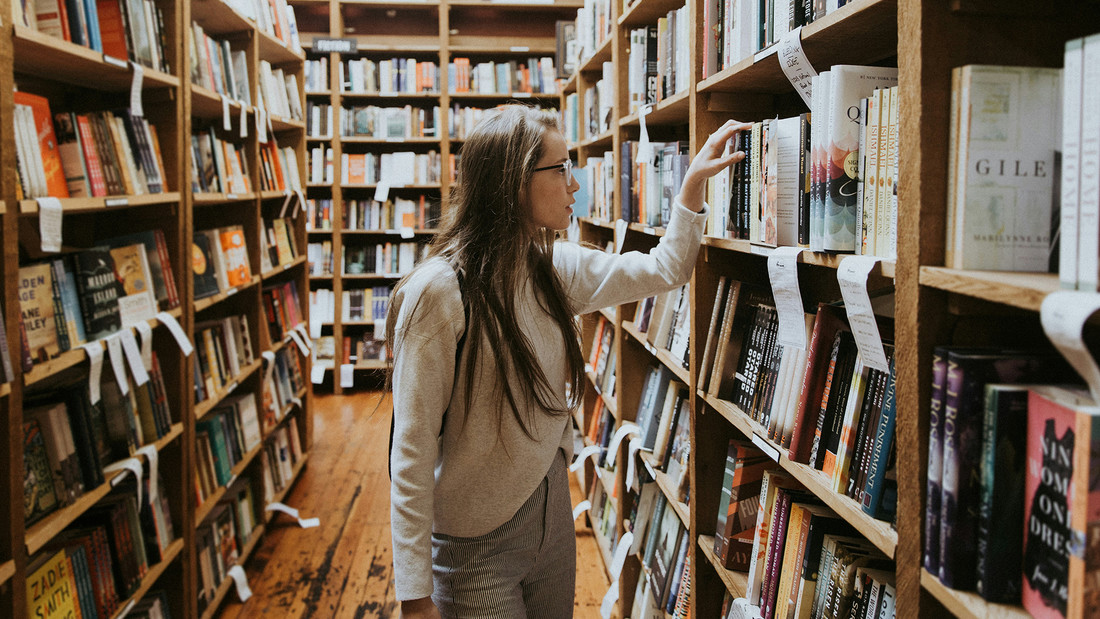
(344, 567)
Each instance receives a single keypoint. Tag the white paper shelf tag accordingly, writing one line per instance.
(133, 357)
(1063, 315)
(305, 523)
(49, 223)
(783, 272)
(317, 374)
(241, 580)
(129, 464)
(587, 452)
(581, 507)
(176, 330)
(153, 457)
(269, 357)
(382, 191)
(609, 600)
(622, 549)
(795, 65)
(118, 363)
(227, 119)
(286, 204)
(347, 375)
(135, 89)
(95, 368)
(628, 428)
(645, 147)
(244, 122)
(620, 234)
(146, 333)
(852, 277)
(294, 335)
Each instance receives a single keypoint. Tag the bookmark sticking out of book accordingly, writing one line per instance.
(852, 276)
(135, 89)
(95, 369)
(645, 147)
(152, 456)
(587, 452)
(301, 200)
(244, 122)
(347, 375)
(622, 549)
(1063, 315)
(581, 507)
(628, 428)
(783, 272)
(133, 357)
(146, 333)
(237, 574)
(609, 600)
(49, 223)
(297, 339)
(118, 364)
(176, 330)
(227, 121)
(305, 523)
(795, 65)
(129, 464)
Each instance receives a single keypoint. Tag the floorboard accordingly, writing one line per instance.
(344, 568)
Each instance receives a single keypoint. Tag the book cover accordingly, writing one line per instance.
(202, 267)
(935, 461)
(36, 305)
(1003, 470)
(99, 290)
(1061, 504)
(51, 588)
(56, 183)
(999, 211)
(878, 497)
(745, 466)
(39, 494)
(132, 270)
(235, 252)
(830, 319)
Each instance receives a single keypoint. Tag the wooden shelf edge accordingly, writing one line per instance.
(381, 231)
(878, 532)
(207, 405)
(1022, 290)
(665, 484)
(966, 604)
(599, 223)
(208, 302)
(284, 268)
(365, 139)
(155, 572)
(43, 531)
(75, 356)
(227, 583)
(203, 511)
(737, 583)
(84, 205)
(662, 355)
(7, 570)
(204, 199)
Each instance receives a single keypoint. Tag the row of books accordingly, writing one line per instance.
(318, 214)
(386, 77)
(123, 29)
(281, 303)
(224, 437)
(217, 165)
(463, 119)
(283, 387)
(588, 114)
(278, 92)
(322, 306)
(273, 17)
(281, 454)
(593, 27)
(216, 66)
(319, 163)
(601, 360)
(373, 121)
(101, 559)
(597, 182)
(393, 214)
(394, 169)
(821, 405)
(736, 29)
(604, 513)
(224, 347)
(384, 258)
(666, 321)
(649, 188)
(315, 74)
(279, 168)
(90, 154)
(659, 61)
(89, 295)
(220, 260)
(320, 258)
(537, 75)
(363, 347)
(280, 243)
(318, 120)
(221, 539)
(661, 542)
(67, 440)
(369, 304)
(994, 433)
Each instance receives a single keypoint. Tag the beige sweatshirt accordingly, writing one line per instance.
(474, 478)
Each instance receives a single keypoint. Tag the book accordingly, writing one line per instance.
(138, 302)
(99, 290)
(1061, 509)
(934, 494)
(39, 495)
(51, 587)
(999, 208)
(37, 308)
(203, 269)
(235, 255)
(879, 494)
(43, 132)
(745, 466)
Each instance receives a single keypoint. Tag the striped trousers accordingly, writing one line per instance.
(525, 569)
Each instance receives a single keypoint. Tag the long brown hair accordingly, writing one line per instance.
(488, 237)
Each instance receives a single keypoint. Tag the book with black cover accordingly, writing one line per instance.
(99, 291)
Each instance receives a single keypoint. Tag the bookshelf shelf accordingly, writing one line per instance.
(73, 357)
(594, 63)
(665, 484)
(275, 193)
(314, 138)
(608, 402)
(372, 276)
(280, 124)
(42, 54)
(218, 18)
(503, 96)
(886, 268)
(227, 583)
(387, 232)
(390, 44)
(644, 229)
(155, 572)
(207, 104)
(737, 583)
(426, 96)
(207, 405)
(502, 45)
(661, 354)
(646, 12)
(320, 93)
(371, 364)
(968, 605)
(603, 544)
(205, 304)
(552, 4)
(83, 205)
(207, 506)
(1023, 290)
(320, 278)
(598, 223)
(279, 270)
(275, 51)
(877, 532)
(603, 140)
(570, 85)
(7, 570)
(429, 186)
(671, 111)
(362, 140)
(211, 199)
(861, 32)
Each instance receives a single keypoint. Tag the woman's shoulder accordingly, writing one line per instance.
(432, 288)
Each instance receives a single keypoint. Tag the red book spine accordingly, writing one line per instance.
(91, 156)
(166, 265)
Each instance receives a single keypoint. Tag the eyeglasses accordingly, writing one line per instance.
(566, 167)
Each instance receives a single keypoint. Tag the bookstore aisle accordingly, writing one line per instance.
(343, 568)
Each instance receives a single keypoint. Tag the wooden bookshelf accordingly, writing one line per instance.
(737, 583)
(969, 605)
(7, 570)
(208, 302)
(228, 583)
(667, 487)
(41, 54)
(174, 550)
(300, 260)
(84, 205)
(212, 401)
(1022, 290)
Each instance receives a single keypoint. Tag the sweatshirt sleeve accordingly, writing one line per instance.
(595, 279)
(429, 324)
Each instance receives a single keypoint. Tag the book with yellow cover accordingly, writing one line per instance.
(51, 589)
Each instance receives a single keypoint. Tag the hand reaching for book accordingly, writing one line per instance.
(711, 159)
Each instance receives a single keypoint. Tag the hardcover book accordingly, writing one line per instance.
(39, 494)
(1007, 131)
(935, 462)
(36, 303)
(1061, 504)
(132, 270)
(100, 292)
(202, 267)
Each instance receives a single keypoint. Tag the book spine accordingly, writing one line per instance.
(874, 486)
(957, 526)
(1071, 161)
(935, 462)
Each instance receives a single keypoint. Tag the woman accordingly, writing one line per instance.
(484, 345)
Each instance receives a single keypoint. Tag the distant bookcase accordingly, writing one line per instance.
(135, 194)
(934, 305)
(397, 96)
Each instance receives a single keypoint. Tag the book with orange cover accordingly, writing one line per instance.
(56, 184)
(237, 270)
